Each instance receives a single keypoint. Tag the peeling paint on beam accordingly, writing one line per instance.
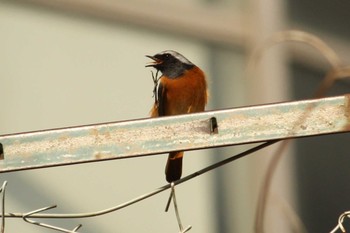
(186, 132)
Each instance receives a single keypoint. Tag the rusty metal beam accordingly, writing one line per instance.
(143, 137)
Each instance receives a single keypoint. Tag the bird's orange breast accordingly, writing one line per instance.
(185, 94)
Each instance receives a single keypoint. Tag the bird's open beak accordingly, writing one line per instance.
(155, 61)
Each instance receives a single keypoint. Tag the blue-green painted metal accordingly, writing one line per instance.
(186, 132)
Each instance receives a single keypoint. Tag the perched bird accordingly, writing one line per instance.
(181, 89)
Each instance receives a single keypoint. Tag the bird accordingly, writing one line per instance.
(181, 89)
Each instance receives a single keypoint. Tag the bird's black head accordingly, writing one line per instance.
(172, 64)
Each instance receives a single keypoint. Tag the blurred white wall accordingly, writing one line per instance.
(61, 70)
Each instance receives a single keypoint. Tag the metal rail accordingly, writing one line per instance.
(143, 137)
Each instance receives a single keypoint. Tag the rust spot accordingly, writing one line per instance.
(102, 154)
(107, 135)
(63, 138)
(94, 132)
(98, 155)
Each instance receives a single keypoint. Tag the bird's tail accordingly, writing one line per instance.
(173, 169)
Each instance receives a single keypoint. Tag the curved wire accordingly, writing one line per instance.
(144, 196)
(31, 213)
(340, 222)
(2, 190)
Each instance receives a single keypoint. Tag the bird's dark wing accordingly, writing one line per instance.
(161, 92)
